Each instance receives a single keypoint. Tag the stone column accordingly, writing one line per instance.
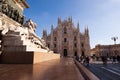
(78, 41)
(51, 42)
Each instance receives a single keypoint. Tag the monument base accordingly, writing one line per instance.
(26, 57)
(19, 44)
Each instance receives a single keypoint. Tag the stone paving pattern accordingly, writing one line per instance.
(105, 71)
(59, 69)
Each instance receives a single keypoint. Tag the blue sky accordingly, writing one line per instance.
(101, 16)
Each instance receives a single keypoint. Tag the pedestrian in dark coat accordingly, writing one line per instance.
(118, 58)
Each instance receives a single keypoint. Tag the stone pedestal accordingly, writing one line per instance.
(17, 50)
(26, 57)
(17, 47)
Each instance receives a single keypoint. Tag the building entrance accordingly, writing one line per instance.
(75, 54)
(65, 53)
(83, 54)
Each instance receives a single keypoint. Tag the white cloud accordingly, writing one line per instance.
(106, 22)
(114, 1)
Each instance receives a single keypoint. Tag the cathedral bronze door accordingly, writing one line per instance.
(65, 52)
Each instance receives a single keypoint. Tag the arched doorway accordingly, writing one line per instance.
(65, 53)
(75, 54)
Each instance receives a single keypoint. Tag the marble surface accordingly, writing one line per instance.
(59, 69)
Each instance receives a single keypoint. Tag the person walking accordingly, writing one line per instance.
(118, 58)
(87, 60)
(114, 59)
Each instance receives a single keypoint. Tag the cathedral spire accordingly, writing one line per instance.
(86, 30)
(44, 29)
(70, 19)
(78, 26)
(59, 20)
(52, 27)
(44, 32)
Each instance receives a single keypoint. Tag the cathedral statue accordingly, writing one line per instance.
(21, 19)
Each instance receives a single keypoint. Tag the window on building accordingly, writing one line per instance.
(54, 45)
(65, 31)
(75, 45)
(55, 39)
(82, 45)
(48, 45)
(75, 53)
(65, 39)
(75, 38)
(83, 54)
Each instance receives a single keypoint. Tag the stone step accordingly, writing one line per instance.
(11, 37)
(14, 48)
(12, 42)
(19, 44)
(14, 33)
(33, 47)
(16, 42)
(27, 42)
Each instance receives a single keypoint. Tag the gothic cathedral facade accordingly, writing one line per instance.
(67, 40)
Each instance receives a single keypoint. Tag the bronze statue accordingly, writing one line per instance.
(1, 1)
(16, 15)
(10, 11)
(5, 8)
(22, 19)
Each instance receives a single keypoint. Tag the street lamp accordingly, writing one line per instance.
(114, 39)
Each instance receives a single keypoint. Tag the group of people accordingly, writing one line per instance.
(86, 59)
(114, 59)
(11, 12)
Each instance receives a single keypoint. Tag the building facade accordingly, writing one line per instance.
(107, 50)
(67, 40)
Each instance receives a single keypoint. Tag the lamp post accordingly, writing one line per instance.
(114, 39)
